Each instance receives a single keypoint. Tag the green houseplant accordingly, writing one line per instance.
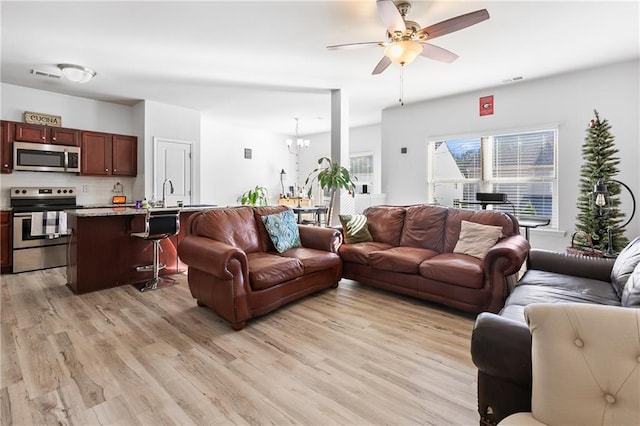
(332, 177)
(257, 196)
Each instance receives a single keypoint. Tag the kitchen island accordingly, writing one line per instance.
(103, 254)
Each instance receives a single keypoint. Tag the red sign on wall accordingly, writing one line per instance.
(486, 105)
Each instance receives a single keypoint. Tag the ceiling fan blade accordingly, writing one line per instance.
(454, 24)
(438, 53)
(382, 65)
(354, 45)
(390, 16)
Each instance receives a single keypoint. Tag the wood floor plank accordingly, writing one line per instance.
(351, 355)
(15, 405)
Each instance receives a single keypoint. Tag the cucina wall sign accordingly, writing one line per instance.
(40, 118)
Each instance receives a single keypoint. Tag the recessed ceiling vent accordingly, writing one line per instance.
(513, 79)
(44, 74)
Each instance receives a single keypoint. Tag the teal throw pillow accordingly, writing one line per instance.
(355, 228)
(283, 230)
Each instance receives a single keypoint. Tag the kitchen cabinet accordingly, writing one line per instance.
(37, 133)
(125, 155)
(6, 145)
(5, 240)
(104, 154)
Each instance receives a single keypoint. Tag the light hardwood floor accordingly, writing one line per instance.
(352, 355)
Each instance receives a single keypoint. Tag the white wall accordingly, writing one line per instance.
(170, 122)
(361, 139)
(226, 174)
(77, 113)
(566, 100)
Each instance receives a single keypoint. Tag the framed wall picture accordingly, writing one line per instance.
(486, 105)
(247, 153)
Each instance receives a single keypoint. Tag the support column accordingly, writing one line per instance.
(340, 146)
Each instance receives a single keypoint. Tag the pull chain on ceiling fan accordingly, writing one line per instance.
(405, 40)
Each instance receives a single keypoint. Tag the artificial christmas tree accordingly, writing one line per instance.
(600, 163)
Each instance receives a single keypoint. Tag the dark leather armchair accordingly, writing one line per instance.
(501, 343)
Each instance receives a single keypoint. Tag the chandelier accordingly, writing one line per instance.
(299, 142)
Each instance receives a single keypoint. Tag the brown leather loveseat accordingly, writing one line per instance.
(235, 270)
(414, 252)
(501, 344)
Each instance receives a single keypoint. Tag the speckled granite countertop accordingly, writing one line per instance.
(127, 211)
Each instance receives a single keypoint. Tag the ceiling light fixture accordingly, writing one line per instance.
(300, 143)
(77, 73)
(403, 52)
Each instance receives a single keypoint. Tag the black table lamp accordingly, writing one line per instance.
(601, 193)
(283, 175)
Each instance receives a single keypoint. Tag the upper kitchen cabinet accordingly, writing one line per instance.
(6, 153)
(125, 155)
(104, 154)
(46, 134)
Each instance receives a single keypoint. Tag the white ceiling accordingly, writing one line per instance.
(260, 64)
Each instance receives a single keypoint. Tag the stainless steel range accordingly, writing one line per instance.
(41, 249)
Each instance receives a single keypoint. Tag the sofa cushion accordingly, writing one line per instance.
(424, 227)
(400, 259)
(542, 286)
(263, 235)
(283, 230)
(550, 287)
(359, 252)
(624, 265)
(355, 229)
(234, 226)
(476, 239)
(631, 292)
(385, 223)
(454, 268)
(269, 269)
(313, 260)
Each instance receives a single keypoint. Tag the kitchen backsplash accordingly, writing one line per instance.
(91, 190)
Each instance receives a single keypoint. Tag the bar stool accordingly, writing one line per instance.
(160, 223)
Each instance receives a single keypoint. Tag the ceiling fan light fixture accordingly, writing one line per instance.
(403, 52)
(77, 73)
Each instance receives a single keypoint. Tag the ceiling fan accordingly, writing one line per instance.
(405, 40)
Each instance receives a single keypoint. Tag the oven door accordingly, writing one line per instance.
(22, 237)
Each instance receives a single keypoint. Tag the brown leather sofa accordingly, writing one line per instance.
(412, 254)
(501, 344)
(235, 270)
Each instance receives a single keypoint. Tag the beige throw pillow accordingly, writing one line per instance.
(476, 239)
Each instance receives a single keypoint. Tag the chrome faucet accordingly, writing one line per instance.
(164, 191)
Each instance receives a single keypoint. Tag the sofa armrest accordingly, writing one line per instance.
(512, 251)
(320, 238)
(211, 256)
(567, 264)
(501, 263)
(501, 347)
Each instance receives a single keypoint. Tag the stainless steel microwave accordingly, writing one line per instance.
(40, 157)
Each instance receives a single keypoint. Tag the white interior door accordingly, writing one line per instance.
(172, 160)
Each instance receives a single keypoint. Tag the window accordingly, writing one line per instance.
(521, 165)
(361, 165)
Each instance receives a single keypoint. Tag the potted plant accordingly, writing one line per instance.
(257, 196)
(332, 177)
